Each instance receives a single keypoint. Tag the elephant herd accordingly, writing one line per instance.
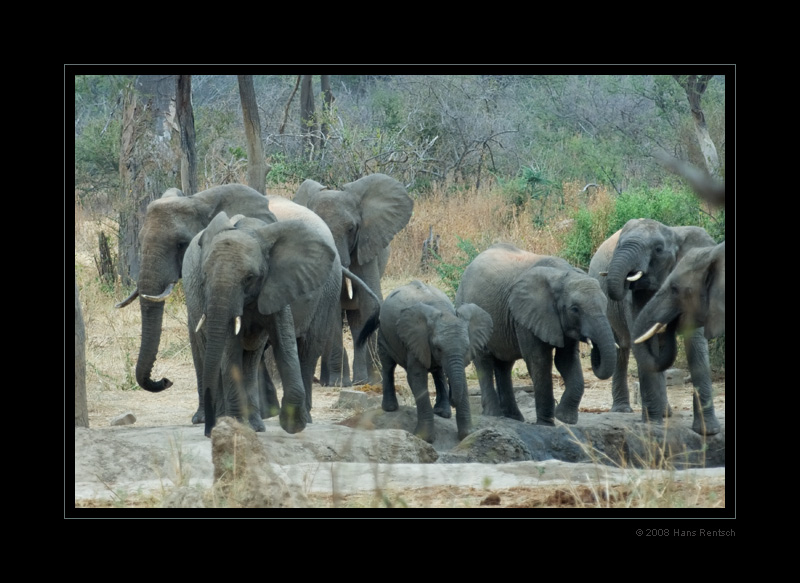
(266, 277)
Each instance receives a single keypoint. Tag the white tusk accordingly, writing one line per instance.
(657, 328)
(160, 298)
(603, 273)
(200, 323)
(636, 277)
(237, 325)
(349, 285)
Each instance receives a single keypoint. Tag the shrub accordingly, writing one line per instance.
(451, 273)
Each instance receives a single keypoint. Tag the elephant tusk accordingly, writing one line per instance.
(637, 276)
(129, 299)
(603, 273)
(200, 323)
(237, 325)
(159, 298)
(657, 328)
(349, 285)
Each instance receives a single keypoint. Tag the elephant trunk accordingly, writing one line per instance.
(218, 326)
(459, 395)
(623, 269)
(604, 350)
(660, 319)
(658, 353)
(152, 316)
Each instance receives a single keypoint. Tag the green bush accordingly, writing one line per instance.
(451, 273)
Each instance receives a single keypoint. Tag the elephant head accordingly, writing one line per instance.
(692, 296)
(250, 271)
(646, 252)
(556, 304)
(169, 225)
(363, 217)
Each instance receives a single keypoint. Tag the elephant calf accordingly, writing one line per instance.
(539, 304)
(421, 331)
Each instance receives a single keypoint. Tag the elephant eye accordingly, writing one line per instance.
(659, 249)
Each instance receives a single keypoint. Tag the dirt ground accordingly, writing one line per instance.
(176, 406)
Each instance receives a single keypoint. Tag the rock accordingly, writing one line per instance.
(353, 399)
(124, 419)
(675, 377)
(242, 474)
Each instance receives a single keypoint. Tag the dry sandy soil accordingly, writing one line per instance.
(176, 405)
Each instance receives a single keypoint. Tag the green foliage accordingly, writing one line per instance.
(97, 157)
(451, 273)
(287, 171)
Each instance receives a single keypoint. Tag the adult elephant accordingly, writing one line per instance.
(540, 306)
(169, 225)
(249, 284)
(363, 217)
(631, 266)
(692, 296)
(421, 331)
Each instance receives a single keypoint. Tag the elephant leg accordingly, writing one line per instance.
(540, 366)
(490, 404)
(364, 370)
(267, 393)
(389, 393)
(235, 397)
(505, 390)
(308, 356)
(417, 378)
(197, 345)
(705, 420)
(442, 405)
(621, 401)
(653, 386)
(252, 363)
(568, 363)
(335, 368)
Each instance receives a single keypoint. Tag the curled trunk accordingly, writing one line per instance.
(152, 316)
(604, 350)
(624, 264)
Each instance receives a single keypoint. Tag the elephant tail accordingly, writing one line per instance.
(370, 326)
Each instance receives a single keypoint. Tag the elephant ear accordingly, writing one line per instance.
(385, 209)
(221, 222)
(479, 328)
(299, 260)
(307, 190)
(414, 327)
(691, 238)
(533, 303)
(172, 192)
(715, 281)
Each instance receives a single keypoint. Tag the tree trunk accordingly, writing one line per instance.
(185, 115)
(307, 124)
(81, 409)
(695, 86)
(256, 165)
(327, 104)
(148, 160)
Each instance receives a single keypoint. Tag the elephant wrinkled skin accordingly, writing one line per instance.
(249, 284)
(421, 331)
(692, 296)
(631, 266)
(539, 305)
(363, 217)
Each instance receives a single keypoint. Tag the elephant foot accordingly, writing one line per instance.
(293, 419)
(546, 422)
(199, 417)
(707, 424)
(272, 411)
(621, 408)
(668, 411)
(443, 410)
(389, 404)
(565, 415)
(257, 424)
(514, 414)
(425, 432)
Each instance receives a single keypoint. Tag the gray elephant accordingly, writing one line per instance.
(692, 296)
(631, 266)
(540, 305)
(249, 283)
(421, 331)
(364, 217)
(169, 225)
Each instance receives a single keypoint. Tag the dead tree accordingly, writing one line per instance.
(430, 249)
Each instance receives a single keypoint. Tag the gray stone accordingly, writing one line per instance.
(354, 399)
(124, 419)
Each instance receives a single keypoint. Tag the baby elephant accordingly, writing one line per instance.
(421, 331)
